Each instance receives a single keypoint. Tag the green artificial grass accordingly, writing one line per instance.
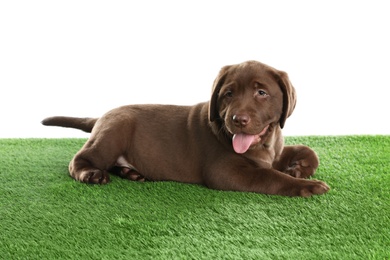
(44, 214)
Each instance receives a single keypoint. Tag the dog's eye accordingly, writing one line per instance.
(262, 92)
(229, 93)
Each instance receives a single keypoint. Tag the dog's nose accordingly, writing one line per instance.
(241, 120)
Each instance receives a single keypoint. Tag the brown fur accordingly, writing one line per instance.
(193, 144)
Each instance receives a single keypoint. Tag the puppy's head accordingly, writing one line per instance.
(250, 98)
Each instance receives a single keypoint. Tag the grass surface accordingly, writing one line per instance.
(44, 214)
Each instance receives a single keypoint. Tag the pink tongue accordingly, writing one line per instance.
(242, 142)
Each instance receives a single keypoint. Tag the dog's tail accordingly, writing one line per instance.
(86, 124)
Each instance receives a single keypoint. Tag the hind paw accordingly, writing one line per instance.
(128, 173)
(92, 176)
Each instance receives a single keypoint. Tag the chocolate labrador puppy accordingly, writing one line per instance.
(233, 142)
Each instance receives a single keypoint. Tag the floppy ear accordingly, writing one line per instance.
(218, 82)
(289, 96)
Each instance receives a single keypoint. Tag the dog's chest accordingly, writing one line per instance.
(263, 157)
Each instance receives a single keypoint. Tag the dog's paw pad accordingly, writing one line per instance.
(301, 169)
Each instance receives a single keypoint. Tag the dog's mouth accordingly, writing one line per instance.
(242, 142)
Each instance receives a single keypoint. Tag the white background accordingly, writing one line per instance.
(82, 58)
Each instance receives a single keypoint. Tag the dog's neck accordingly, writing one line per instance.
(219, 130)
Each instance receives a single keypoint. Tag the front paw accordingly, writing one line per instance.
(297, 161)
(301, 169)
(313, 187)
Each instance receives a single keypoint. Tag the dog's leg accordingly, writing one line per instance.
(298, 161)
(83, 169)
(99, 154)
(88, 166)
(250, 178)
